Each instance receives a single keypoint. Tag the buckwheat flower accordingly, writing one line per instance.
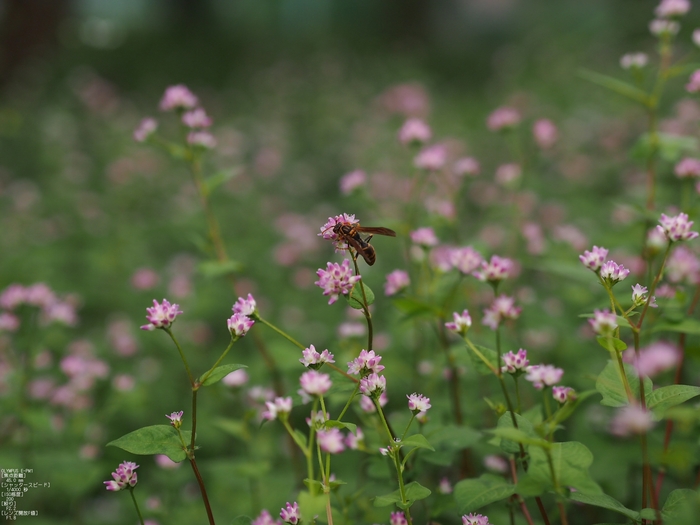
(398, 518)
(367, 405)
(281, 406)
(265, 518)
(350, 181)
(317, 419)
(515, 362)
(466, 166)
(563, 393)
(639, 293)
(671, 8)
(465, 260)
(495, 270)
(543, 375)
(351, 329)
(656, 241)
(503, 118)
(461, 322)
(161, 315)
(354, 441)
(12, 296)
(693, 85)
(196, 119)
(634, 60)
(475, 519)
(424, 237)
(124, 477)
(202, 139)
(145, 129)
(396, 281)
(664, 28)
(291, 514)
(431, 158)
(604, 322)
(682, 266)
(384, 451)
(239, 324)
(8, 322)
(696, 37)
(373, 385)
(328, 233)
(178, 97)
(508, 174)
(331, 440)
(418, 402)
(677, 228)
(440, 258)
(687, 168)
(365, 363)
(631, 419)
(175, 418)
(336, 279)
(245, 306)
(594, 259)
(545, 133)
(236, 378)
(414, 130)
(502, 308)
(312, 359)
(612, 273)
(39, 294)
(445, 487)
(496, 464)
(315, 383)
(654, 359)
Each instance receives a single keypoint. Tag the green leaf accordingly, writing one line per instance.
(670, 147)
(472, 494)
(611, 344)
(414, 492)
(413, 307)
(156, 439)
(567, 410)
(311, 505)
(217, 179)
(234, 427)
(355, 299)
(605, 502)
(218, 373)
(241, 520)
(453, 438)
(417, 441)
(613, 84)
(665, 397)
(299, 438)
(569, 461)
(610, 386)
(519, 436)
(682, 507)
(686, 326)
(505, 422)
(213, 269)
(479, 365)
(333, 423)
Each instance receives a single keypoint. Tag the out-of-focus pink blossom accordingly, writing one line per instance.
(145, 279)
(672, 8)
(202, 139)
(503, 118)
(145, 129)
(466, 166)
(351, 181)
(630, 420)
(396, 281)
(196, 119)
(236, 378)
(178, 97)
(545, 133)
(682, 266)
(415, 130)
(431, 158)
(634, 60)
(508, 174)
(654, 359)
(687, 167)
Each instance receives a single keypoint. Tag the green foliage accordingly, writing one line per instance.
(155, 439)
(472, 494)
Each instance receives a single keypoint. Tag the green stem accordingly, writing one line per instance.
(282, 333)
(203, 490)
(221, 358)
(136, 505)
(182, 354)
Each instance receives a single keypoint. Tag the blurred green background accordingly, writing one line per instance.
(301, 93)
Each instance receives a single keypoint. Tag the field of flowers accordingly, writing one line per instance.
(337, 288)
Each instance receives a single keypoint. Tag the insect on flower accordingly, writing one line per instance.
(349, 233)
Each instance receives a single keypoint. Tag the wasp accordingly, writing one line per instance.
(350, 234)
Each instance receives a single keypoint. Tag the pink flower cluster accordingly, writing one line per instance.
(495, 270)
(461, 323)
(336, 279)
(281, 406)
(244, 315)
(312, 359)
(124, 477)
(475, 519)
(161, 315)
(502, 308)
(291, 514)
(503, 118)
(677, 228)
(52, 308)
(396, 281)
